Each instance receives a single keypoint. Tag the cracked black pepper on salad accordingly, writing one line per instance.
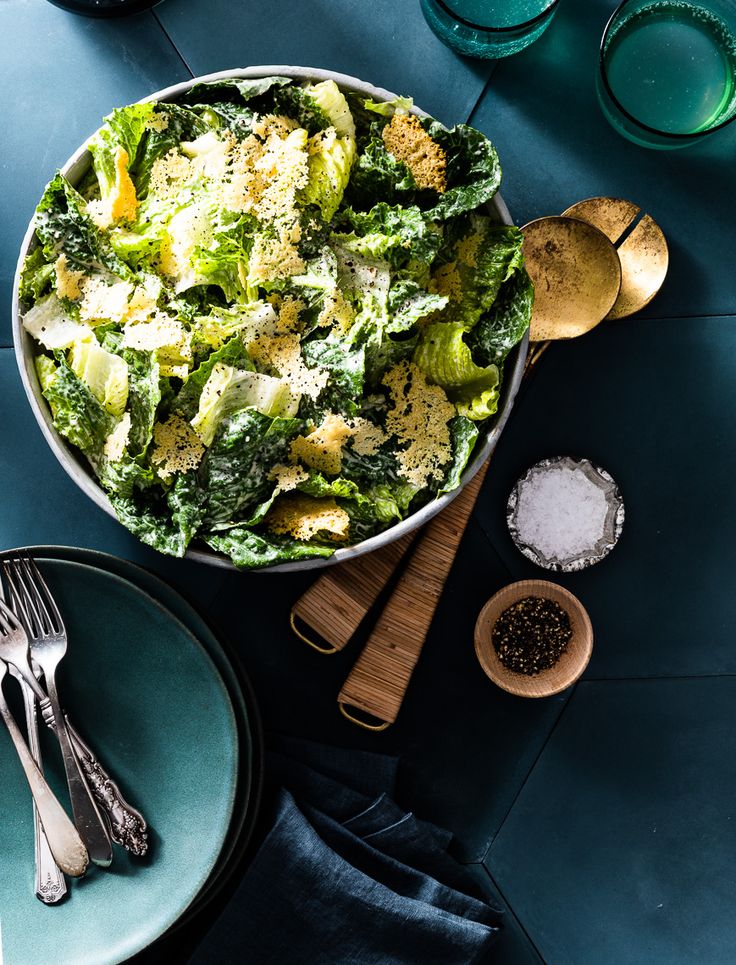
(274, 316)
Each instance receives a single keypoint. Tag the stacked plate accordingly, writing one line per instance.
(173, 719)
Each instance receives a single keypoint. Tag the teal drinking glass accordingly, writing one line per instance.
(488, 28)
(667, 75)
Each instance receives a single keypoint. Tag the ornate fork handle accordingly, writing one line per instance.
(127, 825)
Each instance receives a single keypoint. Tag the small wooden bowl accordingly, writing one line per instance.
(568, 668)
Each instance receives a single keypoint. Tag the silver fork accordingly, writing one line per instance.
(50, 883)
(127, 825)
(50, 648)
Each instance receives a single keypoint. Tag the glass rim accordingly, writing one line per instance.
(496, 30)
(693, 136)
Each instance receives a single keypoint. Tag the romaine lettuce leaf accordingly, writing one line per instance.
(346, 365)
(464, 434)
(329, 173)
(144, 395)
(63, 226)
(36, 276)
(77, 414)
(473, 171)
(250, 551)
(379, 175)
(446, 360)
(235, 470)
(243, 89)
(408, 303)
(231, 353)
(105, 373)
(178, 124)
(505, 323)
(473, 269)
(148, 516)
(296, 102)
(52, 325)
(405, 231)
(124, 128)
(230, 389)
(399, 105)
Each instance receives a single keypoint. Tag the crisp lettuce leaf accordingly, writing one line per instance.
(36, 276)
(63, 226)
(52, 325)
(379, 175)
(149, 517)
(504, 325)
(230, 389)
(408, 303)
(399, 105)
(105, 373)
(392, 231)
(177, 124)
(144, 396)
(223, 260)
(78, 415)
(296, 102)
(346, 365)
(124, 128)
(464, 434)
(251, 551)
(329, 173)
(446, 360)
(473, 269)
(235, 471)
(473, 169)
(241, 89)
(232, 353)
(331, 100)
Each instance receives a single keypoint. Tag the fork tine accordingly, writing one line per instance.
(8, 620)
(41, 589)
(21, 598)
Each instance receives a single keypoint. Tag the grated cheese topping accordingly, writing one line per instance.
(68, 281)
(158, 121)
(322, 448)
(305, 517)
(176, 447)
(407, 140)
(162, 331)
(116, 442)
(446, 281)
(336, 312)
(419, 420)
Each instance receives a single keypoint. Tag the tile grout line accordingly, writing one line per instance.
(660, 677)
(482, 94)
(534, 763)
(173, 45)
(516, 918)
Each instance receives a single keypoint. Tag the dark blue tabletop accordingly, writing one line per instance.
(601, 817)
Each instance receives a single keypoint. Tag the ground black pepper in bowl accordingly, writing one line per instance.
(531, 635)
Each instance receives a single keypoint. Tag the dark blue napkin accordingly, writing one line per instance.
(346, 877)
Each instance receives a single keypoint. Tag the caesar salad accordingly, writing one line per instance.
(274, 316)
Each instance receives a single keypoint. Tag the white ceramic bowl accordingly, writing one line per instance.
(75, 463)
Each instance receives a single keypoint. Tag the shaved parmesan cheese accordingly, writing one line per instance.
(367, 438)
(102, 301)
(287, 477)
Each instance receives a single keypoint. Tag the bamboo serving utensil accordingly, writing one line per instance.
(377, 683)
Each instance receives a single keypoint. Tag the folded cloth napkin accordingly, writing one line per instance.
(345, 877)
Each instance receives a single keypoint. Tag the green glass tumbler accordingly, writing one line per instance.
(667, 70)
(488, 28)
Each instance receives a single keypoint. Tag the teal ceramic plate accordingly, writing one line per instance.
(150, 700)
(226, 659)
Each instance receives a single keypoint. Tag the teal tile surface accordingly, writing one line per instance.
(647, 400)
(621, 848)
(41, 505)
(66, 72)
(556, 148)
(466, 747)
(385, 42)
(513, 946)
